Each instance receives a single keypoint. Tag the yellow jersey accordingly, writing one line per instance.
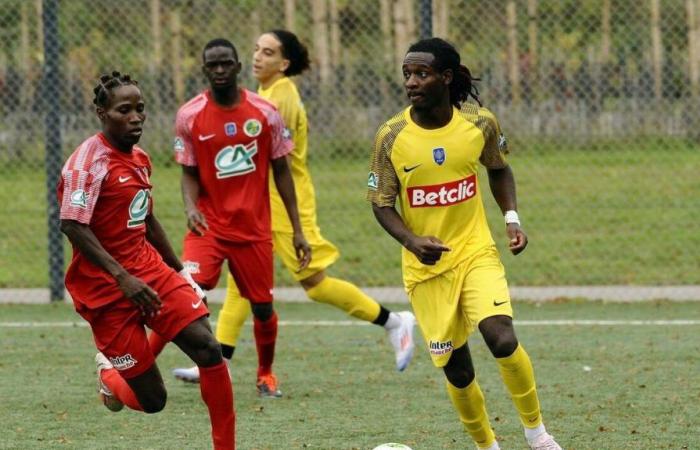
(433, 173)
(284, 95)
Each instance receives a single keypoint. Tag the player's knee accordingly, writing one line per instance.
(459, 376)
(208, 352)
(262, 311)
(155, 400)
(502, 345)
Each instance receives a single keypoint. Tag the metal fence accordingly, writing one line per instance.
(599, 100)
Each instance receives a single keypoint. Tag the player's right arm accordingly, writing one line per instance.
(383, 188)
(186, 156)
(189, 184)
(428, 249)
(135, 289)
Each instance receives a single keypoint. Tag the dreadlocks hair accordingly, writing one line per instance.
(294, 51)
(447, 57)
(103, 90)
(220, 42)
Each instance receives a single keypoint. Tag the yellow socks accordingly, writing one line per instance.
(345, 296)
(469, 403)
(232, 316)
(519, 378)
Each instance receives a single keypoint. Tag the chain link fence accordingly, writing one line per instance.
(598, 98)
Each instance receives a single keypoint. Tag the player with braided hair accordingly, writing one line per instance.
(124, 274)
(427, 158)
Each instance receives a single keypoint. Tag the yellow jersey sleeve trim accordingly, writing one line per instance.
(382, 182)
(493, 155)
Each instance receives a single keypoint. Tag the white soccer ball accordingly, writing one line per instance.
(392, 446)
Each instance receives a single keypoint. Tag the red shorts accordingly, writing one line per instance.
(250, 264)
(118, 327)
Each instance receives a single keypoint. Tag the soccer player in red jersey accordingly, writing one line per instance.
(124, 274)
(227, 138)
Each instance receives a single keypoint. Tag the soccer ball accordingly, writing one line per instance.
(392, 446)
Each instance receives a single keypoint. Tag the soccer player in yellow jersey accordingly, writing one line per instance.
(427, 158)
(278, 56)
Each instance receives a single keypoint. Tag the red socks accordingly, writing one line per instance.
(265, 339)
(156, 342)
(217, 393)
(120, 389)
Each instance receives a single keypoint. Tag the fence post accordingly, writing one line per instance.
(54, 155)
(425, 14)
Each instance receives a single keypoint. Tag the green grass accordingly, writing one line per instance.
(341, 391)
(613, 213)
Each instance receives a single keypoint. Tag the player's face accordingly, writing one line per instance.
(268, 60)
(425, 86)
(123, 118)
(221, 67)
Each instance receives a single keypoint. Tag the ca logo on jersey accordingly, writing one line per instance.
(138, 209)
(235, 160)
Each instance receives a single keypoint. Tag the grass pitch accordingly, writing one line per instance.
(631, 385)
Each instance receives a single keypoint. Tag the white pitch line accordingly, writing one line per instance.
(356, 323)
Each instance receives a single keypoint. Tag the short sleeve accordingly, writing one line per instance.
(493, 156)
(382, 182)
(81, 189)
(280, 137)
(183, 145)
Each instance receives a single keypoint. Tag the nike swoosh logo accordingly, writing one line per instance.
(196, 305)
(408, 169)
(124, 179)
(495, 303)
(207, 137)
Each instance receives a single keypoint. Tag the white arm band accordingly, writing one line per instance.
(512, 217)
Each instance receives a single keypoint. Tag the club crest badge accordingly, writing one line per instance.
(230, 128)
(252, 127)
(78, 198)
(372, 181)
(179, 145)
(439, 155)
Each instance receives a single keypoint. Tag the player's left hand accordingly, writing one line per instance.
(518, 238)
(302, 250)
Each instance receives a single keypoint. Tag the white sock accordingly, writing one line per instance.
(493, 446)
(393, 321)
(532, 433)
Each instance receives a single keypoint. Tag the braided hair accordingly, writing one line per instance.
(293, 50)
(447, 57)
(103, 90)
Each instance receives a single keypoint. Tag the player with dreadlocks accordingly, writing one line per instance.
(427, 158)
(124, 274)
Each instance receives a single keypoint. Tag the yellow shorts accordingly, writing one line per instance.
(323, 252)
(450, 306)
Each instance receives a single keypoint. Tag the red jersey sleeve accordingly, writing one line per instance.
(183, 145)
(81, 179)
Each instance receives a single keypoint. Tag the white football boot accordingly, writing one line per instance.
(544, 441)
(187, 374)
(401, 338)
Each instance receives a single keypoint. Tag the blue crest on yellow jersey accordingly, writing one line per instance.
(439, 155)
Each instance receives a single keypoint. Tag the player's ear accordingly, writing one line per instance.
(448, 76)
(101, 113)
(285, 65)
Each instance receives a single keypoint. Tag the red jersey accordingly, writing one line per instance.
(232, 149)
(110, 191)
